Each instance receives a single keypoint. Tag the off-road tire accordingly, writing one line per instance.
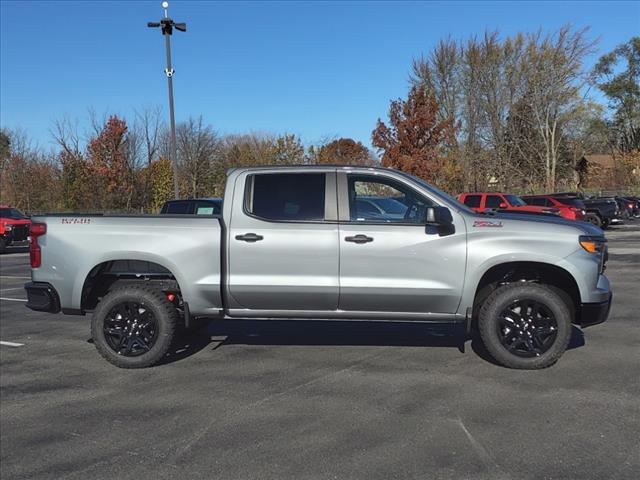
(3, 245)
(504, 296)
(165, 315)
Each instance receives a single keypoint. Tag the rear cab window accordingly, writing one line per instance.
(286, 197)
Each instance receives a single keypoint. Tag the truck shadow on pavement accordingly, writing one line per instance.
(219, 333)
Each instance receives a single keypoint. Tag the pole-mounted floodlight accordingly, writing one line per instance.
(167, 25)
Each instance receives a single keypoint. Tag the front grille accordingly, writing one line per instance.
(20, 232)
(603, 258)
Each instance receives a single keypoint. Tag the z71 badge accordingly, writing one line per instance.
(487, 223)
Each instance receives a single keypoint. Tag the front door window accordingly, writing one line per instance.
(375, 200)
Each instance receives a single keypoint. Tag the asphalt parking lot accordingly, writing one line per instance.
(280, 400)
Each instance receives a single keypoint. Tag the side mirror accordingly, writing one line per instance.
(439, 220)
(503, 205)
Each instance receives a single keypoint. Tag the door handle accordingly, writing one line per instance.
(249, 237)
(359, 239)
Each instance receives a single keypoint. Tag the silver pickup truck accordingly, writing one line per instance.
(323, 242)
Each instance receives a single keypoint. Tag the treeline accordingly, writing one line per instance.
(125, 167)
(514, 114)
(522, 107)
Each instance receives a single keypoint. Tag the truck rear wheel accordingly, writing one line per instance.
(525, 325)
(133, 326)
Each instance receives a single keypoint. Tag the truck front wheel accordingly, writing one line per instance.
(133, 326)
(525, 325)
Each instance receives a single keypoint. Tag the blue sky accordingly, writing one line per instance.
(315, 69)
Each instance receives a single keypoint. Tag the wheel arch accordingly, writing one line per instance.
(557, 277)
(102, 276)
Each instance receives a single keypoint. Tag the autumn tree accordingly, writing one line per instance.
(149, 132)
(109, 165)
(514, 98)
(617, 75)
(287, 149)
(343, 151)
(553, 68)
(198, 152)
(5, 146)
(440, 73)
(415, 141)
(29, 179)
(5, 151)
(76, 183)
(160, 179)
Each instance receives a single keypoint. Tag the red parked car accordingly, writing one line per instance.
(569, 207)
(14, 226)
(481, 202)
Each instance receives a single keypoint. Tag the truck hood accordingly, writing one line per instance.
(584, 228)
(14, 221)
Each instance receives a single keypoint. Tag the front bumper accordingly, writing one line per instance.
(594, 313)
(42, 297)
(18, 233)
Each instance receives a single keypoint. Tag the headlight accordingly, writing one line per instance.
(592, 244)
(8, 228)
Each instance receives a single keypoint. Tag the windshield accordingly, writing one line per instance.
(459, 205)
(515, 200)
(12, 213)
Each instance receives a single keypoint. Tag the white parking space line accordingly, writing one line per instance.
(9, 289)
(12, 344)
(12, 276)
(615, 250)
(13, 299)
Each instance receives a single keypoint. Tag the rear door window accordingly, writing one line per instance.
(287, 196)
(493, 201)
(538, 202)
(180, 208)
(472, 201)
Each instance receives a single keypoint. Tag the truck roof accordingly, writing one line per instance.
(313, 167)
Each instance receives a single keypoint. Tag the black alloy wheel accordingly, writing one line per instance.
(133, 325)
(130, 329)
(527, 328)
(526, 325)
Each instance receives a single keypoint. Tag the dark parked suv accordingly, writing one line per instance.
(601, 211)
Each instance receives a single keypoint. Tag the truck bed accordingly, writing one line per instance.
(185, 247)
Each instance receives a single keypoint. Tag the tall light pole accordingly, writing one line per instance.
(167, 25)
